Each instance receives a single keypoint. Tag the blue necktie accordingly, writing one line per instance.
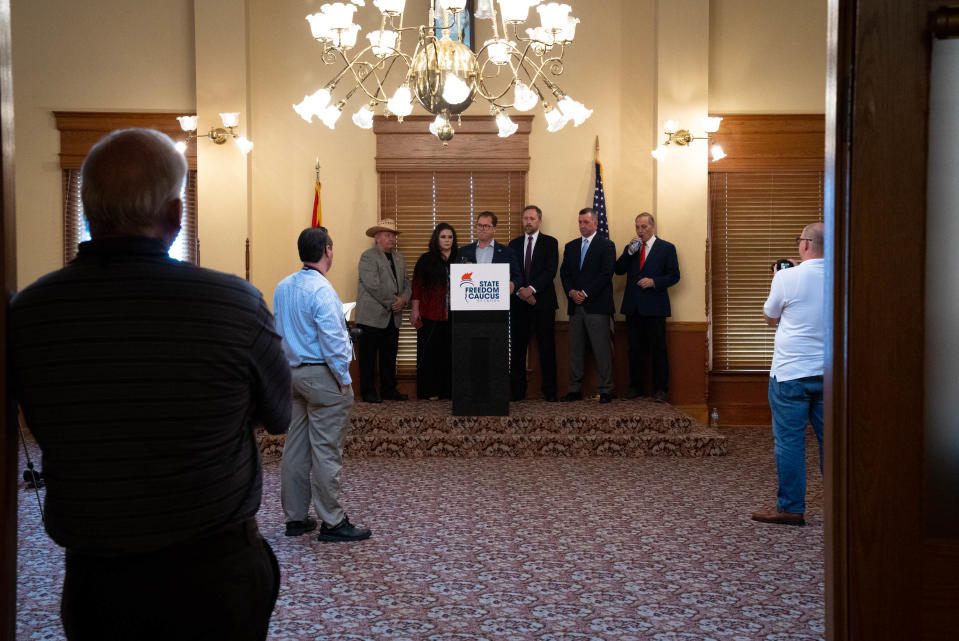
(582, 252)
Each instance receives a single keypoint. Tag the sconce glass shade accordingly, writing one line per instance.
(401, 103)
(363, 118)
(671, 126)
(187, 123)
(711, 124)
(659, 153)
(455, 90)
(574, 110)
(339, 15)
(555, 119)
(231, 119)
(453, 5)
(331, 114)
(346, 38)
(180, 146)
(384, 42)
(570, 32)
(498, 51)
(524, 98)
(312, 105)
(506, 126)
(554, 16)
(245, 145)
(541, 34)
(514, 11)
(391, 7)
(718, 153)
(320, 26)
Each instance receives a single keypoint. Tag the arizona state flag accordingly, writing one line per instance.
(317, 205)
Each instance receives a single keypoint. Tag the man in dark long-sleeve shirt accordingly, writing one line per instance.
(141, 378)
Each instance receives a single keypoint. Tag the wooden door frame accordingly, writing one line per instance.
(883, 580)
(8, 431)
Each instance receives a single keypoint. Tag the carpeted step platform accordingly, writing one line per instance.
(414, 429)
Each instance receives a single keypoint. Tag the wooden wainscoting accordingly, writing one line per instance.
(741, 399)
(686, 342)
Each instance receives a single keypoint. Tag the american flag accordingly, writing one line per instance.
(599, 203)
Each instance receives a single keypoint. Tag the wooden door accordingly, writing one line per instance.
(886, 578)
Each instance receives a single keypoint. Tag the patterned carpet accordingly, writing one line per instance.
(547, 549)
(417, 429)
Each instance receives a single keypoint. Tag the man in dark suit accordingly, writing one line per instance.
(587, 273)
(487, 250)
(533, 307)
(651, 267)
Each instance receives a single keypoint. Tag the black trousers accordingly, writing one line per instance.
(647, 339)
(526, 320)
(221, 587)
(434, 356)
(378, 344)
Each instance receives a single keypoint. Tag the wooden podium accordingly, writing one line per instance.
(479, 304)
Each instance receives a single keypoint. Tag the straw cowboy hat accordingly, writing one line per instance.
(387, 224)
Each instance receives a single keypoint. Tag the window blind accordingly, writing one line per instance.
(75, 226)
(755, 218)
(420, 200)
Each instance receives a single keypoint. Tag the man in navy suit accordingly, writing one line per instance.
(587, 274)
(487, 250)
(533, 307)
(651, 267)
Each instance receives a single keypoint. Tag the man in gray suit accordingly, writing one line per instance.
(381, 294)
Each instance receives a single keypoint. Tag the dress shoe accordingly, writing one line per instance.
(605, 398)
(370, 398)
(550, 398)
(780, 518)
(296, 528)
(659, 396)
(573, 396)
(396, 396)
(632, 393)
(342, 532)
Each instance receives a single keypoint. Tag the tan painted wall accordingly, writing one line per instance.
(767, 56)
(95, 55)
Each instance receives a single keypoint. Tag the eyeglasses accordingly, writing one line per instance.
(483, 226)
(800, 239)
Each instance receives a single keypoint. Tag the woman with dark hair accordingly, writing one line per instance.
(429, 314)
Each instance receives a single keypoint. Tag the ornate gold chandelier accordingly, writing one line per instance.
(444, 75)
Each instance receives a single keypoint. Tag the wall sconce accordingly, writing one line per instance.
(682, 137)
(218, 135)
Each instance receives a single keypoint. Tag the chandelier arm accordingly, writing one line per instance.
(370, 71)
(380, 81)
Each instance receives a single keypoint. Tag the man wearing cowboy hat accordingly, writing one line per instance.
(381, 294)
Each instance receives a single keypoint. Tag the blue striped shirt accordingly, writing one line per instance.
(309, 317)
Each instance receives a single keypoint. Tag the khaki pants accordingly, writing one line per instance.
(312, 455)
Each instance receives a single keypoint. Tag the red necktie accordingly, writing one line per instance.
(642, 256)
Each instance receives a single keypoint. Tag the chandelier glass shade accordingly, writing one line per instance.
(444, 76)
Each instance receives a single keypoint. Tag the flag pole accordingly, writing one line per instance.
(596, 150)
(317, 170)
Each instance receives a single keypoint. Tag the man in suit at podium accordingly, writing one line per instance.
(587, 274)
(487, 250)
(651, 268)
(533, 307)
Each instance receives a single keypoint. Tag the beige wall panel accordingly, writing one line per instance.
(767, 56)
(85, 56)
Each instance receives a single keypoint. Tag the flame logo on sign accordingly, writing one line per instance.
(466, 279)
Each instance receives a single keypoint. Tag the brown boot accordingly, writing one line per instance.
(780, 518)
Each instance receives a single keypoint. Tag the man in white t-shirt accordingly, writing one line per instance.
(796, 309)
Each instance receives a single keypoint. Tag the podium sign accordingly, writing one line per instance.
(479, 300)
(475, 287)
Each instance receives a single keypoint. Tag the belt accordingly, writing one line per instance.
(312, 365)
